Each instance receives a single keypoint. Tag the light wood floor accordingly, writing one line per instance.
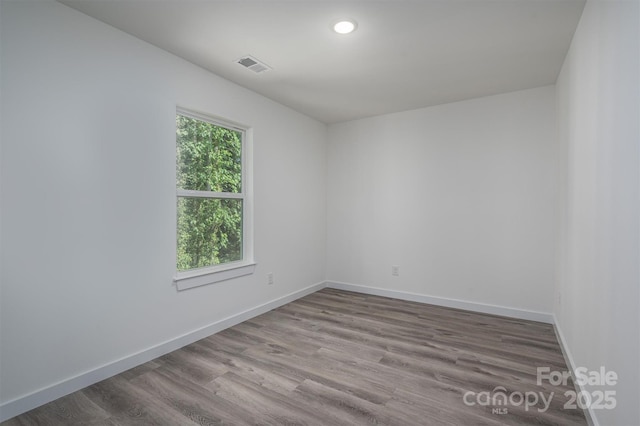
(333, 358)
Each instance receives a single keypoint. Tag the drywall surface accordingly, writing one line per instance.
(88, 196)
(597, 301)
(461, 197)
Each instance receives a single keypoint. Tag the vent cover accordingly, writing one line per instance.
(253, 64)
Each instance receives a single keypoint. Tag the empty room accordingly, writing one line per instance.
(320, 212)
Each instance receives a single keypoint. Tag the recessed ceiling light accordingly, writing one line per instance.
(345, 26)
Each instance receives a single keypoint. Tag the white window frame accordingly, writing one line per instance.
(213, 274)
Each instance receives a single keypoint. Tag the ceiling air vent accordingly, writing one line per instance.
(253, 64)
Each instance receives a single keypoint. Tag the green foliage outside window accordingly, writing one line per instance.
(209, 158)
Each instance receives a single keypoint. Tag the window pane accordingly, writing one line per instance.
(209, 232)
(209, 156)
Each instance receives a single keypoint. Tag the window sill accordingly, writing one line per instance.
(199, 277)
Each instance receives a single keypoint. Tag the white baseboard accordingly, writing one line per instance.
(568, 358)
(476, 307)
(28, 402)
(443, 301)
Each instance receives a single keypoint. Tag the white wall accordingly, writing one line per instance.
(88, 196)
(460, 196)
(599, 133)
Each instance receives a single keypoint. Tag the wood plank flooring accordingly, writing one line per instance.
(335, 358)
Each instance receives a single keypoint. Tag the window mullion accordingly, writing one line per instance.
(209, 194)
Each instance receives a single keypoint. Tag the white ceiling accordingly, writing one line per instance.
(404, 54)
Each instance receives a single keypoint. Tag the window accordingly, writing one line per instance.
(213, 203)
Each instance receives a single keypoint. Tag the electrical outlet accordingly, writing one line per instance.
(270, 278)
(395, 270)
